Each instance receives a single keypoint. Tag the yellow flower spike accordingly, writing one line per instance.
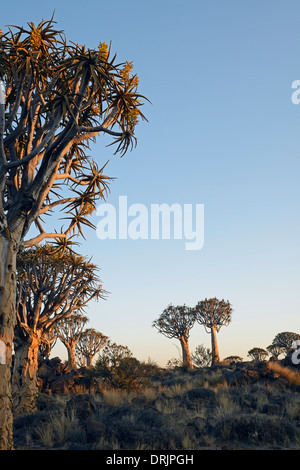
(103, 51)
(35, 38)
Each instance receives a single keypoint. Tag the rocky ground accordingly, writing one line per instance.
(235, 406)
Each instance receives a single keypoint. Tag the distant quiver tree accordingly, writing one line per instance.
(213, 314)
(69, 330)
(176, 322)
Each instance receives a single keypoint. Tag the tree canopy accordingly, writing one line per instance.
(58, 97)
(51, 287)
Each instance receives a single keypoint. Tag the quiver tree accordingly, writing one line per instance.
(89, 344)
(258, 354)
(50, 287)
(275, 350)
(285, 341)
(176, 322)
(55, 97)
(213, 314)
(68, 331)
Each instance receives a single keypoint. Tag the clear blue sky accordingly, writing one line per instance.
(222, 132)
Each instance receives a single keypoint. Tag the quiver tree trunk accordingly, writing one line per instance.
(214, 347)
(25, 380)
(8, 252)
(71, 355)
(186, 357)
(89, 360)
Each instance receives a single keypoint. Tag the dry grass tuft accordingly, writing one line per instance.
(292, 376)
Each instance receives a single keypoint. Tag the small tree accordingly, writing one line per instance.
(89, 344)
(202, 356)
(50, 288)
(113, 353)
(173, 363)
(233, 359)
(275, 350)
(69, 331)
(176, 322)
(258, 354)
(213, 314)
(285, 340)
(119, 369)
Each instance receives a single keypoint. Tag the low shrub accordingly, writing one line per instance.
(256, 429)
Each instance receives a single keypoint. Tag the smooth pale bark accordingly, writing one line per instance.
(8, 255)
(25, 381)
(89, 360)
(71, 354)
(214, 347)
(186, 357)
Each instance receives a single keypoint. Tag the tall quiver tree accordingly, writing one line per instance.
(90, 343)
(69, 331)
(55, 97)
(213, 314)
(176, 322)
(50, 288)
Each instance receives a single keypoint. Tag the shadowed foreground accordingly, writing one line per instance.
(228, 406)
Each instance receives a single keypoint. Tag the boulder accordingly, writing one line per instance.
(62, 384)
(200, 396)
(81, 406)
(94, 430)
(243, 377)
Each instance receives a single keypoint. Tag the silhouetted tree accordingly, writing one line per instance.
(202, 356)
(275, 350)
(69, 331)
(176, 322)
(213, 314)
(258, 354)
(50, 288)
(113, 353)
(89, 344)
(55, 98)
(285, 340)
(233, 359)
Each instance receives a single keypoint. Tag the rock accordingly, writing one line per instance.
(272, 409)
(56, 377)
(62, 384)
(243, 377)
(94, 430)
(200, 396)
(81, 406)
(44, 371)
(201, 393)
(151, 417)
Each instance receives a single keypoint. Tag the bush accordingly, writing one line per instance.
(256, 429)
(127, 374)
